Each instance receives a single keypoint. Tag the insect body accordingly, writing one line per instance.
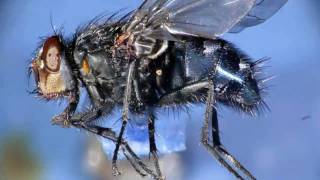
(166, 53)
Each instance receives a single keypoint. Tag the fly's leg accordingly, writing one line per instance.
(178, 95)
(125, 114)
(186, 91)
(115, 169)
(139, 162)
(111, 135)
(210, 109)
(63, 119)
(107, 133)
(83, 120)
(152, 143)
(137, 93)
(133, 164)
(222, 150)
(99, 110)
(216, 148)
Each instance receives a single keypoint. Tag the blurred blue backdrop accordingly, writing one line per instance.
(281, 144)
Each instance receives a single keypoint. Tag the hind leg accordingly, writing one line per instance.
(216, 149)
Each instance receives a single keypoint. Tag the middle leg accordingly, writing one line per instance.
(152, 143)
(125, 114)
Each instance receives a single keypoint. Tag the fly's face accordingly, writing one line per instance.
(51, 72)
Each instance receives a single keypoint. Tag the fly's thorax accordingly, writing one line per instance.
(51, 71)
(94, 65)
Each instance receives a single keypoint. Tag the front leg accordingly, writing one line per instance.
(63, 118)
(84, 121)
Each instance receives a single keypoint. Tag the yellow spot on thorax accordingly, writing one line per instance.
(85, 66)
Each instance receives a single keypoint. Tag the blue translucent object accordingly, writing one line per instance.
(170, 134)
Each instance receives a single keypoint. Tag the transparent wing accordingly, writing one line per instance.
(203, 18)
(262, 10)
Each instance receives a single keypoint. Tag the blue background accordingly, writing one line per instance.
(280, 144)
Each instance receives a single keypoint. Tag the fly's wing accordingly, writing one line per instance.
(262, 10)
(161, 19)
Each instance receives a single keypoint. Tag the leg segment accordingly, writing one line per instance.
(133, 164)
(216, 149)
(221, 149)
(93, 114)
(63, 119)
(152, 143)
(83, 120)
(125, 113)
(180, 94)
(107, 133)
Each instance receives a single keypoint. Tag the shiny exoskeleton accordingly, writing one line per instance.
(184, 73)
(178, 76)
(166, 53)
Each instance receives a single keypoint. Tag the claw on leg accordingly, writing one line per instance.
(115, 170)
(61, 120)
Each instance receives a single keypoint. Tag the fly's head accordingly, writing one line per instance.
(51, 70)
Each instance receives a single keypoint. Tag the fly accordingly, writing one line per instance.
(165, 53)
